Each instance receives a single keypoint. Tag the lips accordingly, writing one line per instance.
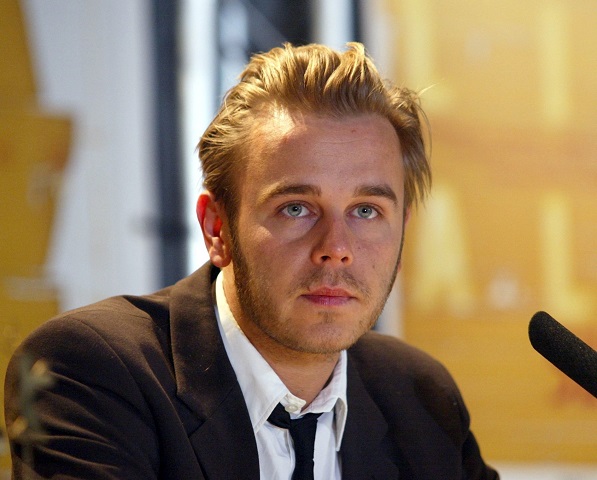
(329, 296)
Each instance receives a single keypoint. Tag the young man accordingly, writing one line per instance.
(311, 168)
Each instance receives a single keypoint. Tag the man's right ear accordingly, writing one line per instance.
(212, 219)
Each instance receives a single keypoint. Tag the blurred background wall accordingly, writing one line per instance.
(511, 225)
(102, 103)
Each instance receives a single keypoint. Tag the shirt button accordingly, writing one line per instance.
(292, 408)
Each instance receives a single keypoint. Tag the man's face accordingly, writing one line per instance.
(317, 237)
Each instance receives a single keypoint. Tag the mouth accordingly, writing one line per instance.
(329, 296)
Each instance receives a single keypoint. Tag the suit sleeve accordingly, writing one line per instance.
(94, 421)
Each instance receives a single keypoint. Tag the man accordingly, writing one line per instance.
(311, 168)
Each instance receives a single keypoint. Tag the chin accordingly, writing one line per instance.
(328, 340)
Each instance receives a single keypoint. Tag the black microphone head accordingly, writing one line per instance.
(564, 350)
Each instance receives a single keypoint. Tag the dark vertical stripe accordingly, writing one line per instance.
(357, 19)
(170, 225)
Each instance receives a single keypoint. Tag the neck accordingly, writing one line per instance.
(304, 374)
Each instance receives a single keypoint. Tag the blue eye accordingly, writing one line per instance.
(365, 211)
(295, 210)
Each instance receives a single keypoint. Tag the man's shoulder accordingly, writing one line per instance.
(128, 321)
(101, 340)
(119, 316)
(399, 376)
(389, 355)
(387, 363)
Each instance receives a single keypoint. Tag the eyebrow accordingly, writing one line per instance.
(289, 189)
(283, 189)
(382, 190)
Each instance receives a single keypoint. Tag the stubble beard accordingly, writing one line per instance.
(257, 306)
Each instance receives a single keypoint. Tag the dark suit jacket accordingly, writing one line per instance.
(144, 389)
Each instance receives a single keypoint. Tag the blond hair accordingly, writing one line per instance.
(310, 79)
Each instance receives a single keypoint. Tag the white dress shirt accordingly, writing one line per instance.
(263, 390)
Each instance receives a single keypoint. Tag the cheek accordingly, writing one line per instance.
(269, 256)
(261, 240)
(379, 239)
(289, 231)
(286, 240)
(379, 257)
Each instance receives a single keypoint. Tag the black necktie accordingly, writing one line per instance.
(302, 430)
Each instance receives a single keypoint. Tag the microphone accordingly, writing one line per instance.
(565, 350)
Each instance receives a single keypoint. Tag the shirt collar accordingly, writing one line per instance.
(261, 386)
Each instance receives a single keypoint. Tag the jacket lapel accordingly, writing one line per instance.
(207, 384)
(362, 451)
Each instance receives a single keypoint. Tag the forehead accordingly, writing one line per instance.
(315, 138)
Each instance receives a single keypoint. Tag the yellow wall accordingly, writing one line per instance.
(511, 226)
(33, 150)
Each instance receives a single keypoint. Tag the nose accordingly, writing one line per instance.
(333, 244)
